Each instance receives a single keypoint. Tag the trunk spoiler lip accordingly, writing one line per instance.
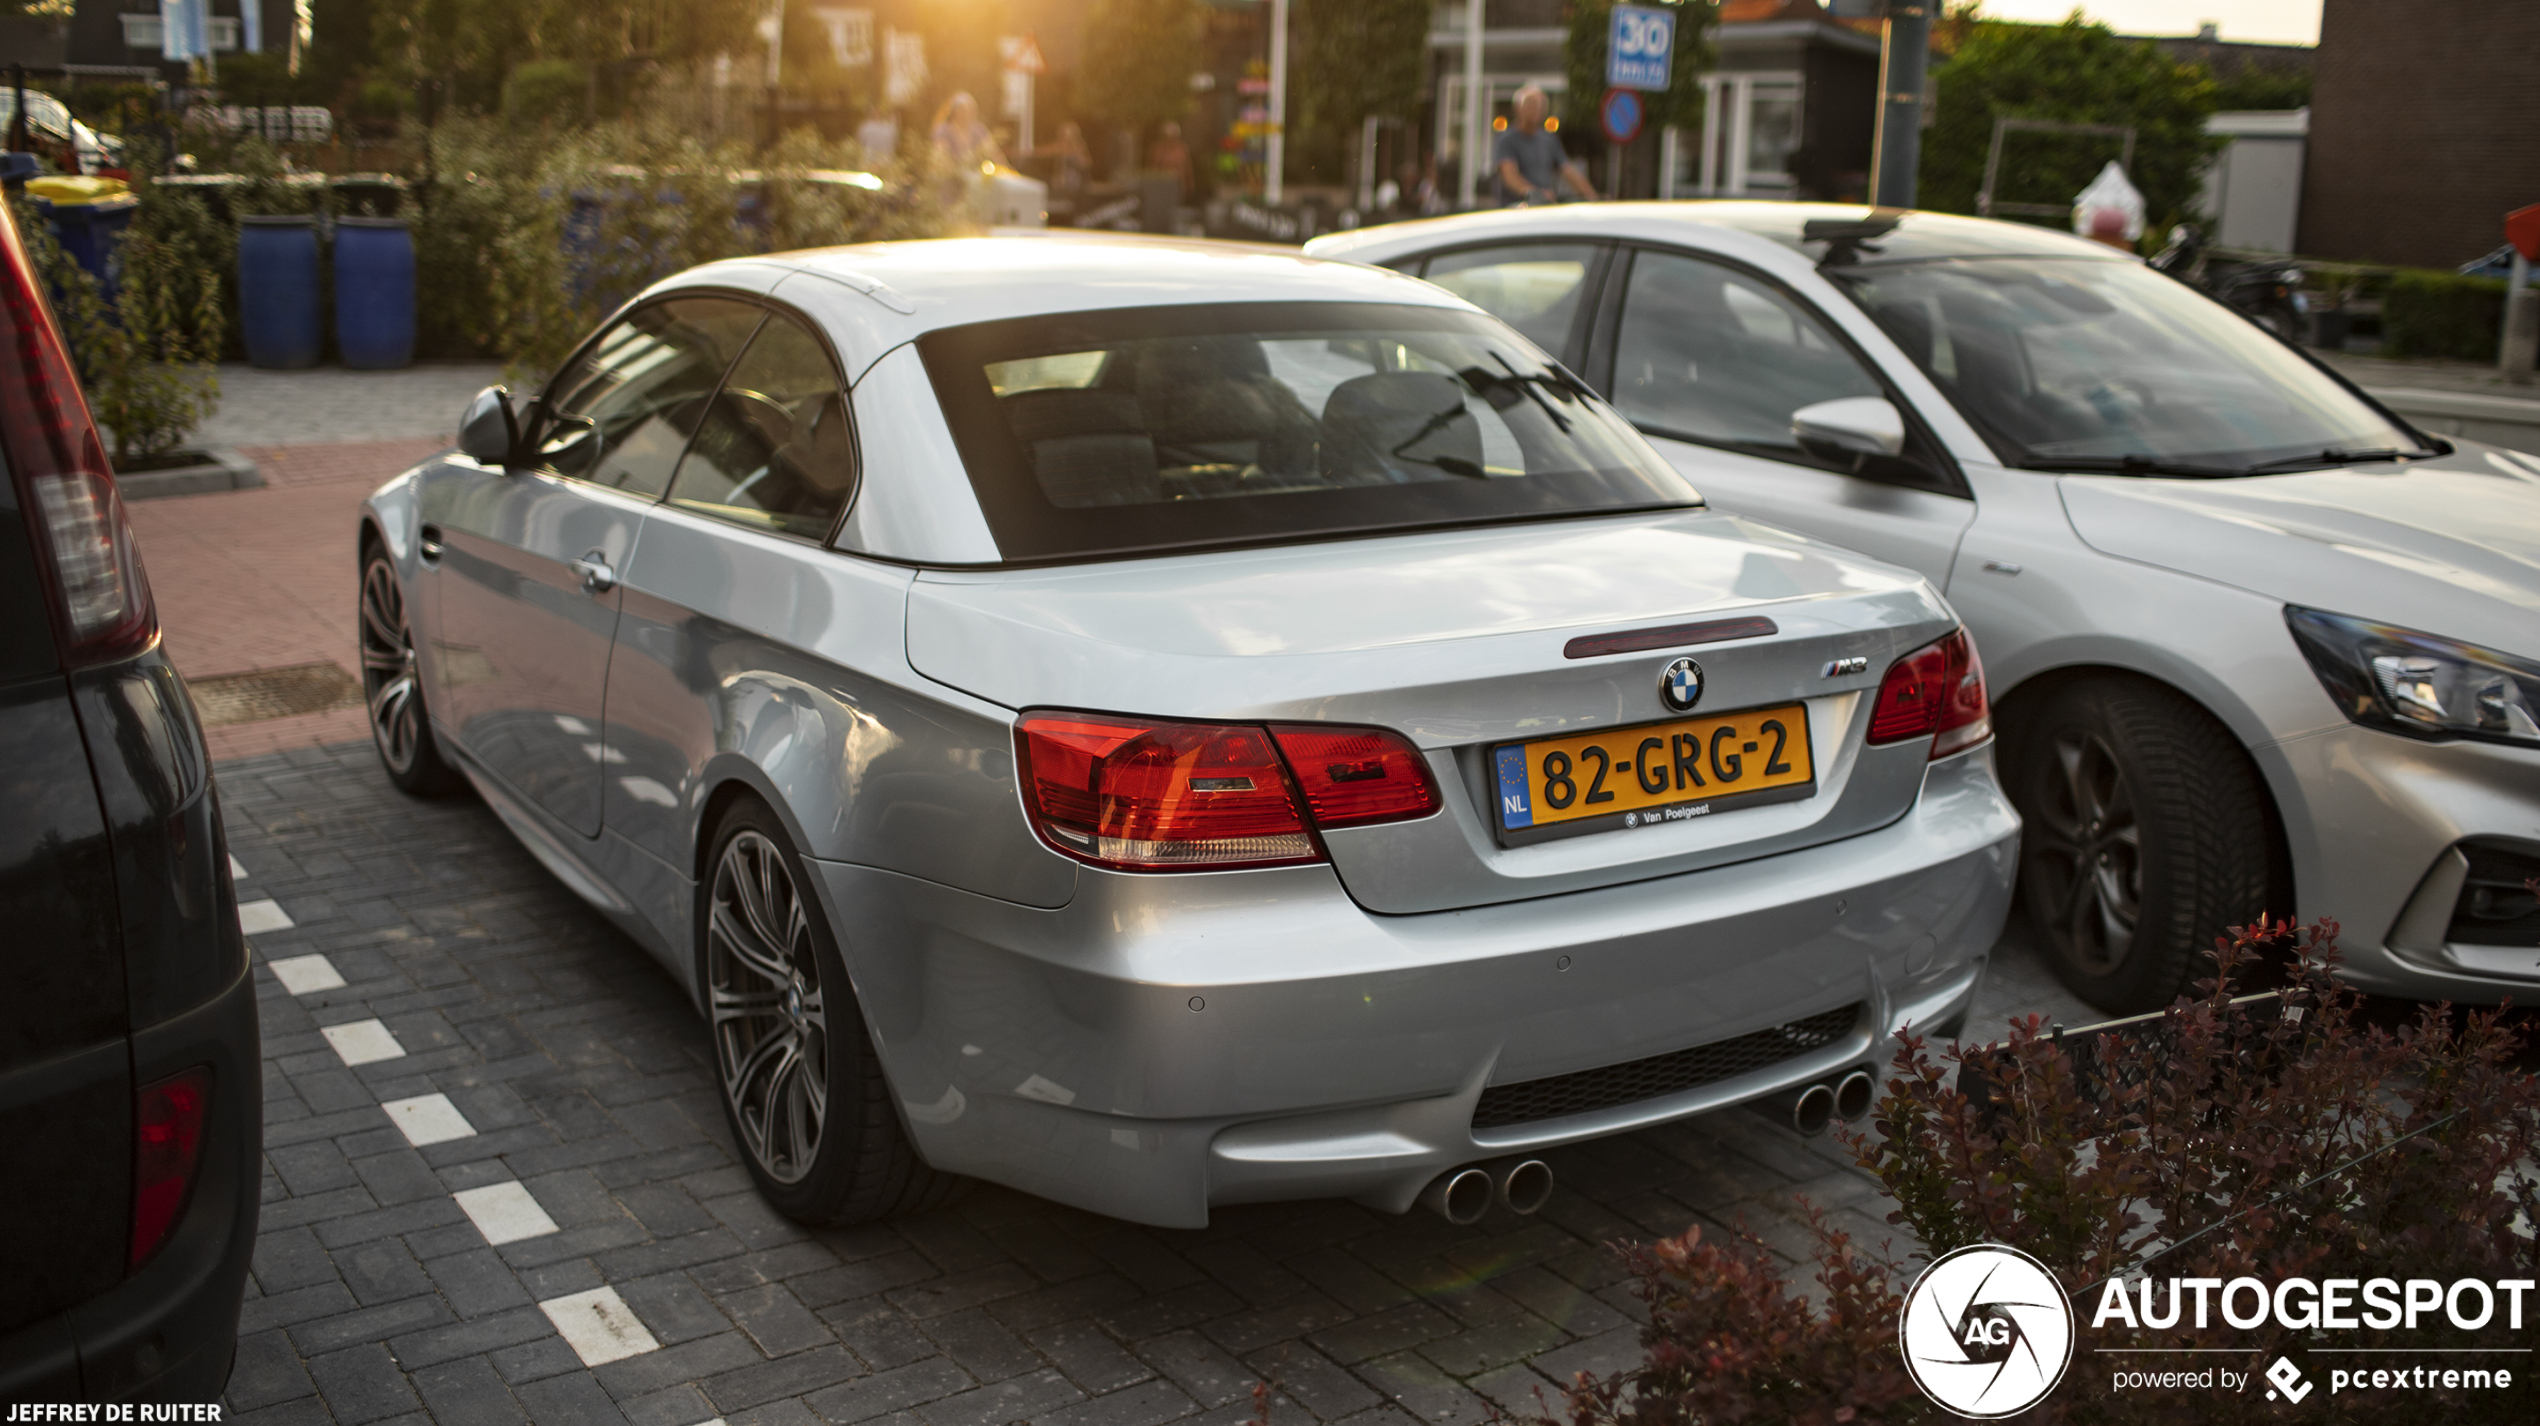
(1669, 636)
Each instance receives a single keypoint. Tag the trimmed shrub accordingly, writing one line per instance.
(548, 91)
(2442, 314)
(146, 358)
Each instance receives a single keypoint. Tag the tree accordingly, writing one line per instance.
(1139, 57)
(2077, 73)
(1583, 61)
(1358, 58)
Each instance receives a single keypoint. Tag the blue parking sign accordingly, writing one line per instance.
(1638, 46)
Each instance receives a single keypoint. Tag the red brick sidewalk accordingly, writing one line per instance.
(257, 579)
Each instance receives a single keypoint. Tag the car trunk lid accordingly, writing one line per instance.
(1463, 641)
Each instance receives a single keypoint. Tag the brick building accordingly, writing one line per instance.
(2425, 129)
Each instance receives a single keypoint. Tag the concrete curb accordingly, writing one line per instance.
(222, 468)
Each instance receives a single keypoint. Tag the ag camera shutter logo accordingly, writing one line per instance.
(1986, 1331)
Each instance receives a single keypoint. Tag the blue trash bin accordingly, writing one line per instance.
(88, 218)
(278, 290)
(374, 293)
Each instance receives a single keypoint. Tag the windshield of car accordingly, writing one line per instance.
(2074, 363)
(1152, 428)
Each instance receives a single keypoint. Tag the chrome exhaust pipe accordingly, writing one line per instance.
(1854, 1097)
(1460, 1196)
(1525, 1185)
(1812, 1110)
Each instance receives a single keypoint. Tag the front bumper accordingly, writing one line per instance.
(1163, 1044)
(2372, 818)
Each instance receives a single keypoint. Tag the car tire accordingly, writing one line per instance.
(2144, 837)
(803, 1089)
(392, 686)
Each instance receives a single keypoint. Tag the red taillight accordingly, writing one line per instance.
(1937, 691)
(1145, 795)
(1354, 776)
(167, 1143)
(101, 601)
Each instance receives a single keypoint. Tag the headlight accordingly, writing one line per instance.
(2383, 676)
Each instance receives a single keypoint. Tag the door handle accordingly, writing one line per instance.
(428, 543)
(595, 574)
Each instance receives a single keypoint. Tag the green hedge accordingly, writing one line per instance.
(2442, 314)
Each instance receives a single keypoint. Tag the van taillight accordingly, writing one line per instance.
(1146, 794)
(167, 1145)
(99, 596)
(1937, 691)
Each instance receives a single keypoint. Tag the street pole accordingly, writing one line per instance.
(1277, 156)
(2520, 346)
(1904, 53)
(1468, 179)
(775, 23)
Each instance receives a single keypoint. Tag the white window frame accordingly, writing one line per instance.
(141, 31)
(1727, 114)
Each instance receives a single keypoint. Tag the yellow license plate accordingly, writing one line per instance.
(1653, 774)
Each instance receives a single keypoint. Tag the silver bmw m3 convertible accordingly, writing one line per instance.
(1163, 725)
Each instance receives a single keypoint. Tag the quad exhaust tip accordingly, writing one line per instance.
(1525, 1185)
(1812, 1112)
(1462, 1196)
(1854, 1096)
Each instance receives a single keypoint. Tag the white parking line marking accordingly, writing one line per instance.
(363, 1042)
(237, 870)
(428, 1119)
(306, 975)
(599, 1326)
(257, 917)
(505, 1213)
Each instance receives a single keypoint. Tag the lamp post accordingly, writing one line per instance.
(1468, 177)
(1904, 54)
(1276, 151)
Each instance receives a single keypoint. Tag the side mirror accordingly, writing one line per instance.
(489, 433)
(1849, 430)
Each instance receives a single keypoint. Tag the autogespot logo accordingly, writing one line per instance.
(1986, 1331)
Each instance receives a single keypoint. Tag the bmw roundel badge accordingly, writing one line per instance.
(1680, 685)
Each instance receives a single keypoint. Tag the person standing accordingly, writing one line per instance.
(1528, 161)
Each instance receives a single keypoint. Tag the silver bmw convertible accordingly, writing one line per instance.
(1163, 725)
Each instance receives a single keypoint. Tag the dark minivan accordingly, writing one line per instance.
(130, 1100)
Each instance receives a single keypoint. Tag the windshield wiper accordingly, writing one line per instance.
(2131, 465)
(2333, 456)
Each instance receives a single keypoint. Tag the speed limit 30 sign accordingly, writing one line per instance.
(1638, 47)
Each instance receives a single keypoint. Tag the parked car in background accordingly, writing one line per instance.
(2255, 643)
(130, 1068)
(1163, 725)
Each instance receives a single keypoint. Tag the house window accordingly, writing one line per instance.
(1749, 130)
(148, 32)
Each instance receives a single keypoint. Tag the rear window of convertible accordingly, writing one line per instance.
(1152, 428)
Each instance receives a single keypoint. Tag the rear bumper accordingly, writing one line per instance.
(167, 1333)
(1163, 1044)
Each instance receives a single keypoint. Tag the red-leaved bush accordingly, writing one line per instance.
(2272, 1139)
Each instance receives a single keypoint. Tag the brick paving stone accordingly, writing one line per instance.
(583, 1069)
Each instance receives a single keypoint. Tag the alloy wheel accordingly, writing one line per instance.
(2084, 850)
(388, 667)
(770, 1020)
